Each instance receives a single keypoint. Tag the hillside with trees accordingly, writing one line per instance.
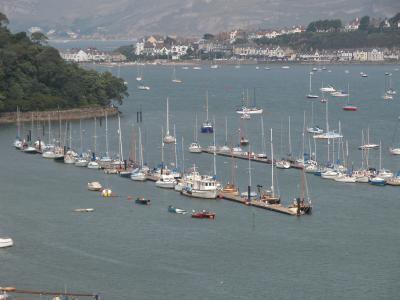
(329, 34)
(33, 76)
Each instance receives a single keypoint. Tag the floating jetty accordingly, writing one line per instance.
(245, 156)
(279, 208)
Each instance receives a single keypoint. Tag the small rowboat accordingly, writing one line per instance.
(203, 215)
(350, 107)
(84, 210)
(176, 210)
(142, 201)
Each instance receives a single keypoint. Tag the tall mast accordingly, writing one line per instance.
(226, 130)
(214, 156)
(302, 134)
(263, 150)
(380, 155)
(107, 150)
(162, 147)
(80, 134)
(310, 81)
(49, 124)
(290, 141)
(70, 134)
(140, 148)
(183, 156)
(195, 130)
(312, 113)
(207, 105)
(167, 132)
(121, 154)
(176, 154)
(326, 116)
(272, 167)
(18, 124)
(249, 174)
(95, 134)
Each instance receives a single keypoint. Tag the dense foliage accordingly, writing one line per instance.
(325, 25)
(33, 76)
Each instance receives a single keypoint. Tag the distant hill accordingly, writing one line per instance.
(184, 17)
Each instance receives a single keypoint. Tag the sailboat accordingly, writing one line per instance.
(18, 142)
(195, 147)
(310, 94)
(283, 163)
(249, 195)
(388, 94)
(328, 134)
(302, 205)
(139, 76)
(390, 90)
(243, 141)
(246, 110)
(348, 106)
(93, 164)
(314, 128)
(347, 177)
(207, 126)
(168, 138)
(225, 147)
(368, 145)
(174, 79)
(263, 153)
(269, 196)
(139, 174)
(395, 150)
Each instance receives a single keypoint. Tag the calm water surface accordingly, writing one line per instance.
(348, 249)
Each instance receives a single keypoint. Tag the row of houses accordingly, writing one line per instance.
(91, 55)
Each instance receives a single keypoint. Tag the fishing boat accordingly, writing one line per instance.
(204, 214)
(94, 186)
(6, 242)
(168, 138)
(142, 201)
(207, 126)
(176, 210)
(348, 106)
(310, 94)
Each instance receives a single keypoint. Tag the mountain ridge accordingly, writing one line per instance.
(135, 18)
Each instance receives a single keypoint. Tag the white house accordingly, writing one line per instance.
(360, 55)
(375, 55)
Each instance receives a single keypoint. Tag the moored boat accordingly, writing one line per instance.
(142, 201)
(176, 210)
(204, 214)
(94, 186)
(6, 242)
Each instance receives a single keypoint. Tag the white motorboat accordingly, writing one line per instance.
(30, 150)
(328, 135)
(394, 151)
(94, 186)
(143, 88)
(339, 94)
(386, 96)
(138, 175)
(81, 162)
(93, 165)
(315, 129)
(195, 148)
(166, 181)
(6, 242)
(49, 154)
(328, 89)
(330, 174)
(345, 178)
(368, 147)
(84, 210)
(282, 164)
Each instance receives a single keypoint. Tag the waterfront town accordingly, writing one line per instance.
(249, 45)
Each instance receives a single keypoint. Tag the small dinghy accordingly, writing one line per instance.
(204, 214)
(176, 210)
(143, 201)
(83, 209)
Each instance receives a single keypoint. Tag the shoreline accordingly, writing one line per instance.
(240, 62)
(67, 114)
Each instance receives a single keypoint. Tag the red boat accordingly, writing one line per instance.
(350, 107)
(203, 215)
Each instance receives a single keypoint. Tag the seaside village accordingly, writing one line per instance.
(234, 45)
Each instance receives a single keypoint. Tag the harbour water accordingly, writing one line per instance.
(347, 249)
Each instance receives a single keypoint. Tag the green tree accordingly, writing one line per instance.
(39, 38)
(208, 36)
(364, 23)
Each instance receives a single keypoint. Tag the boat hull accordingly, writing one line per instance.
(200, 194)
